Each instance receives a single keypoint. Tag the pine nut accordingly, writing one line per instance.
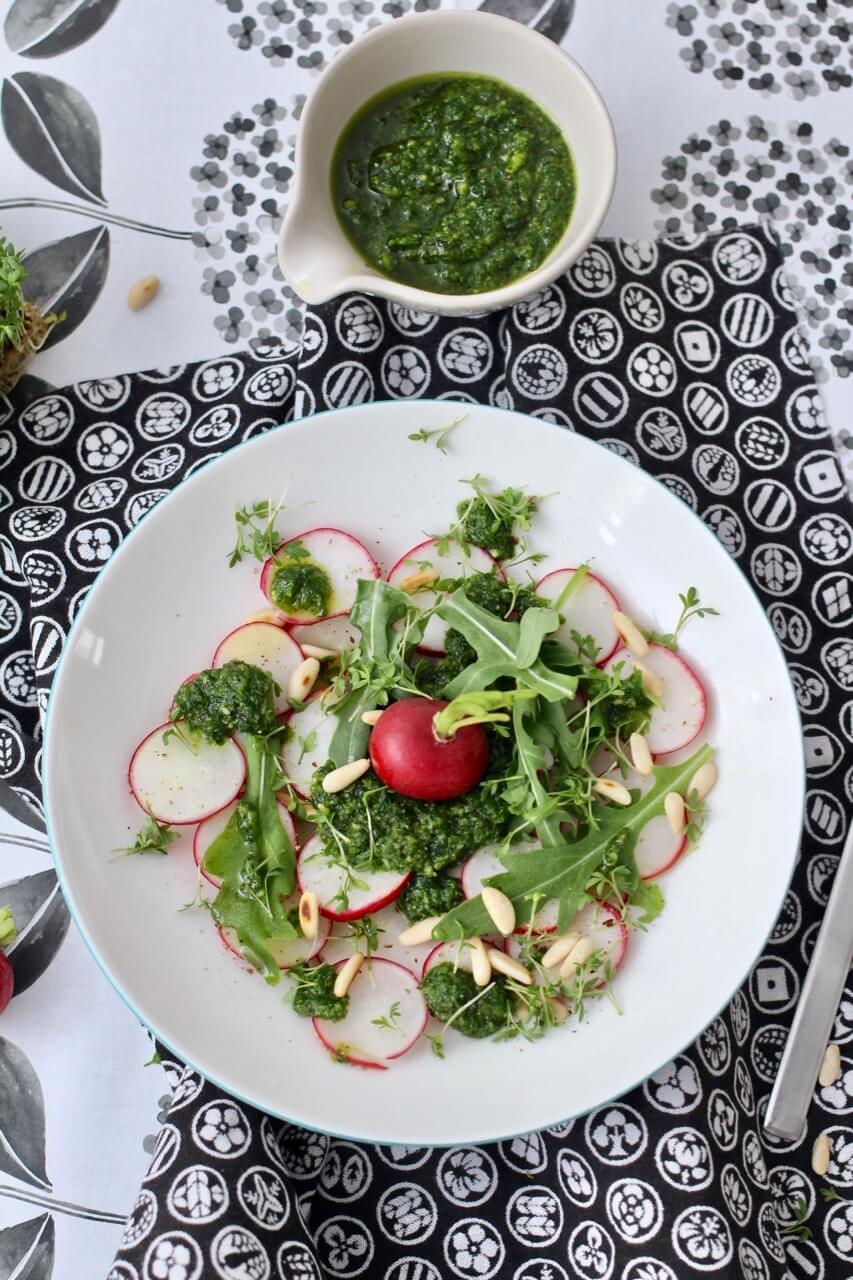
(821, 1153)
(830, 1068)
(371, 717)
(578, 955)
(509, 966)
(630, 634)
(500, 908)
(309, 914)
(641, 757)
(303, 679)
(143, 292)
(481, 969)
(340, 779)
(673, 807)
(419, 932)
(652, 682)
(559, 1012)
(558, 950)
(703, 780)
(265, 615)
(320, 652)
(422, 578)
(347, 973)
(612, 790)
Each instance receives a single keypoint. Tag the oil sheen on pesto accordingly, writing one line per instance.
(453, 183)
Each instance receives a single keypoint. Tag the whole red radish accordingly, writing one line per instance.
(7, 982)
(411, 758)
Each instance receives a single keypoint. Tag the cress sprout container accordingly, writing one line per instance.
(318, 260)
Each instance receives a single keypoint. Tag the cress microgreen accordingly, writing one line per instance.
(389, 1021)
(691, 607)
(152, 837)
(438, 435)
(256, 530)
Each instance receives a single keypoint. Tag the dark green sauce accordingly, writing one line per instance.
(447, 990)
(453, 183)
(301, 588)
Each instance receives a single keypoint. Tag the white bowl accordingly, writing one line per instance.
(317, 259)
(122, 663)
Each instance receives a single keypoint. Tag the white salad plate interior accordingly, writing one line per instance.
(156, 613)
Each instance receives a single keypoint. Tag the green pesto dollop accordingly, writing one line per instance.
(387, 831)
(315, 996)
(446, 989)
(301, 588)
(486, 528)
(455, 183)
(235, 698)
(427, 896)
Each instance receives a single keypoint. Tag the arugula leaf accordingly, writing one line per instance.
(649, 900)
(375, 667)
(563, 871)
(496, 643)
(532, 630)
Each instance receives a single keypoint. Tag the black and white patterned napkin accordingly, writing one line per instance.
(686, 359)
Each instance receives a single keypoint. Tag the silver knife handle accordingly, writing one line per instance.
(812, 1025)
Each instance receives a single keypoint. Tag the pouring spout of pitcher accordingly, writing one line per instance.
(314, 257)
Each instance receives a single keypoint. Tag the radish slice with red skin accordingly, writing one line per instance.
(181, 786)
(299, 764)
(375, 989)
(588, 610)
(286, 951)
(453, 564)
(485, 863)
(682, 716)
(657, 847)
(389, 924)
(604, 925)
(207, 831)
(264, 645)
(341, 556)
(457, 954)
(336, 633)
(320, 875)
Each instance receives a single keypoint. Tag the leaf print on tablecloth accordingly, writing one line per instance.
(67, 276)
(54, 130)
(27, 1248)
(42, 920)
(44, 28)
(22, 1141)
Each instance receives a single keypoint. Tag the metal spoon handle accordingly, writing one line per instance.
(812, 1025)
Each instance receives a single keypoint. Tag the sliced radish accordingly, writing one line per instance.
(455, 953)
(588, 610)
(604, 925)
(453, 564)
(286, 951)
(335, 633)
(657, 847)
(264, 645)
(180, 785)
(685, 705)
(381, 992)
(207, 831)
(328, 879)
(307, 748)
(485, 863)
(389, 924)
(342, 557)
